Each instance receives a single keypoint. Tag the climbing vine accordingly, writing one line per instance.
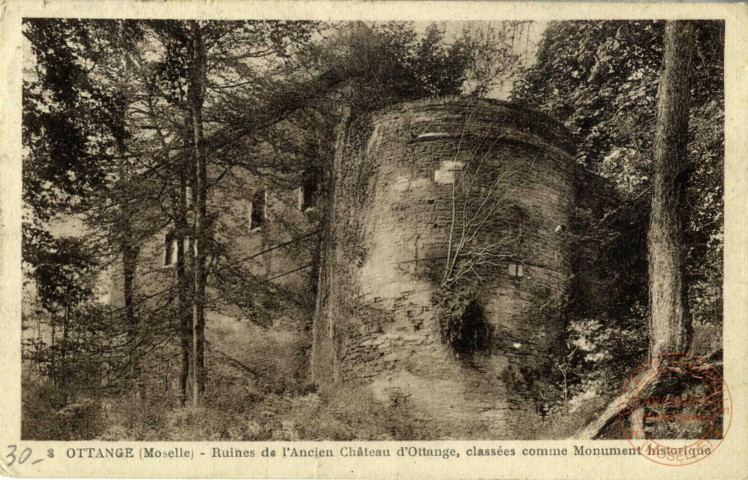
(462, 324)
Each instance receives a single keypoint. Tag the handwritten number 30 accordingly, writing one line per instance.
(21, 459)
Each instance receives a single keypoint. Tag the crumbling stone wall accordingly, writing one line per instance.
(246, 316)
(398, 201)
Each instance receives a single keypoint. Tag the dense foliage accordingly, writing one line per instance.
(601, 78)
(109, 140)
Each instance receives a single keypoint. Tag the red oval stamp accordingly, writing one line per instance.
(675, 409)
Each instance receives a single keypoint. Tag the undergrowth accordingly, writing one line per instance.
(303, 415)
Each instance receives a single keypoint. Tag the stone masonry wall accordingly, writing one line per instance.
(407, 182)
(245, 320)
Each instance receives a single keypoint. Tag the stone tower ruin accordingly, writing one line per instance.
(448, 260)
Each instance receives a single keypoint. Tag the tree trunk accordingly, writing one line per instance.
(52, 361)
(64, 346)
(129, 259)
(669, 323)
(184, 313)
(196, 96)
(129, 251)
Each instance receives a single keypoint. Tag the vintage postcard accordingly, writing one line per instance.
(373, 239)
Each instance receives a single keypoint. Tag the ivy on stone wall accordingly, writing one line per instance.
(462, 324)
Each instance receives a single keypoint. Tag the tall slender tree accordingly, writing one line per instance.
(196, 95)
(669, 321)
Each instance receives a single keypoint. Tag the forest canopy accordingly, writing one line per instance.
(136, 128)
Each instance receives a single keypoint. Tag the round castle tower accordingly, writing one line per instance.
(448, 258)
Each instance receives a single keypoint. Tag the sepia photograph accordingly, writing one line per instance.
(362, 230)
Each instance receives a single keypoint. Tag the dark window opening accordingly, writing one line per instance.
(516, 270)
(309, 191)
(189, 247)
(469, 332)
(170, 249)
(257, 210)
